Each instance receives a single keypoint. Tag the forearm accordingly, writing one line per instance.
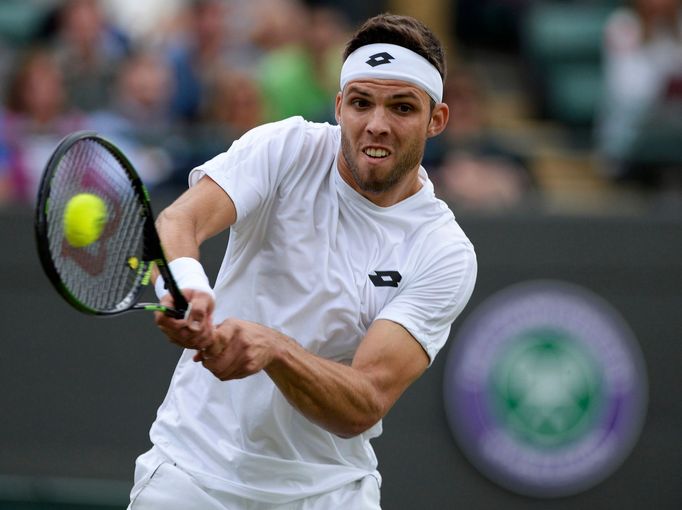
(201, 212)
(345, 400)
(337, 397)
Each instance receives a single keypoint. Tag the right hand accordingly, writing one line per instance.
(195, 332)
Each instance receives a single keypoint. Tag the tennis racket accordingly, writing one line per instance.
(107, 275)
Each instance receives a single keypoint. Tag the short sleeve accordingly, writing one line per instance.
(252, 168)
(435, 295)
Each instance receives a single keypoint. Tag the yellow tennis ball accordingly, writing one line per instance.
(84, 218)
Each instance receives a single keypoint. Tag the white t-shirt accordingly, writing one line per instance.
(312, 258)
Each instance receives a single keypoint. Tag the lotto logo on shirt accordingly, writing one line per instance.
(545, 389)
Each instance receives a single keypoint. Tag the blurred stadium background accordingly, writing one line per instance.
(563, 161)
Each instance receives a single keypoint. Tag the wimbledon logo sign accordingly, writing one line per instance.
(545, 389)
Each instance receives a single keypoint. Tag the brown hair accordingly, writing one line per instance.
(403, 31)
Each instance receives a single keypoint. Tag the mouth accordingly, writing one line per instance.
(376, 152)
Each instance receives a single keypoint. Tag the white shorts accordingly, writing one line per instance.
(161, 485)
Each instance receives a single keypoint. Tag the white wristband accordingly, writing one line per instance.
(160, 287)
(188, 274)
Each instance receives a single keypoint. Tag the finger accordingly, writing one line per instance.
(222, 368)
(204, 335)
(179, 333)
(203, 353)
(202, 304)
(161, 318)
(179, 336)
(214, 346)
(199, 318)
(195, 319)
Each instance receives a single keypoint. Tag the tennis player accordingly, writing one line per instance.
(342, 277)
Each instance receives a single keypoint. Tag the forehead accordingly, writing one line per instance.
(385, 88)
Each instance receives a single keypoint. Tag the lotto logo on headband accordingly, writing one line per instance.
(380, 58)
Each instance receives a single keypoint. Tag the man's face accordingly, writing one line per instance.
(384, 127)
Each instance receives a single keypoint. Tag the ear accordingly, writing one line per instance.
(337, 107)
(439, 119)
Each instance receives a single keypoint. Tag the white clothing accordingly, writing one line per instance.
(312, 258)
(163, 485)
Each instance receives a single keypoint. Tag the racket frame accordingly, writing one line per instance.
(152, 250)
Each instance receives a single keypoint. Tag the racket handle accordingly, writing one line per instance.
(179, 313)
(175, 313)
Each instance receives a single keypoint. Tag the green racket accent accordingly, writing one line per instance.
(148, 275)
(156, 308)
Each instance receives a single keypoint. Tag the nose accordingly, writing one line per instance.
(377, 123)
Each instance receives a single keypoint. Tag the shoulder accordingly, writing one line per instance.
(274, 148)
(295, 139)
(444, 242)
(449, 245)
(287, 131)
(438, 246)
(447, 268)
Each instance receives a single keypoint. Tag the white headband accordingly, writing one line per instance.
(392, 62)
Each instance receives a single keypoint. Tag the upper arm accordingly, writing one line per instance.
(391, 359)
(198, 214)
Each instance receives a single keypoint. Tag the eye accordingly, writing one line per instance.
(359, 102)
(404, 108)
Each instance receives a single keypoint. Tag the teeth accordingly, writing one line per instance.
(376, 153)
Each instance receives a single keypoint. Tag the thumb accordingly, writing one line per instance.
(199, 311)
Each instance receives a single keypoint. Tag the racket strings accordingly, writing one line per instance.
(132, 236)
(103, 275)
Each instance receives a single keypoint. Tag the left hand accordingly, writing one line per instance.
(196, 332)
(240, 349)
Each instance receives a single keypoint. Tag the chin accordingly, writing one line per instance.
(374, 185)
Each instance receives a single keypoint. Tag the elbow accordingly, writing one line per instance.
(163, 220)
(362, 424)
(347, 435)
(370, 412)
(169, 216)
(353, 430)
(176, 221)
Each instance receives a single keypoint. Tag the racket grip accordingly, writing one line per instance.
(178, 313)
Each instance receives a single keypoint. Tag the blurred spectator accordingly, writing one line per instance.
(199, 54)
(277, 24)
(7, 193)
(642, 63)
(37, 116)
(89, 49)
(234, 106)
(475, 168)
(138, 120)
(147, 21)
(301, 78)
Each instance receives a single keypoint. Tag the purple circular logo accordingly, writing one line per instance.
(545, 389)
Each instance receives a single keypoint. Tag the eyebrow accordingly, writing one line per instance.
(410, 94)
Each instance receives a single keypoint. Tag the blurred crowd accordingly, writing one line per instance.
(197, 77)
(639, 126)
(172, 97)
